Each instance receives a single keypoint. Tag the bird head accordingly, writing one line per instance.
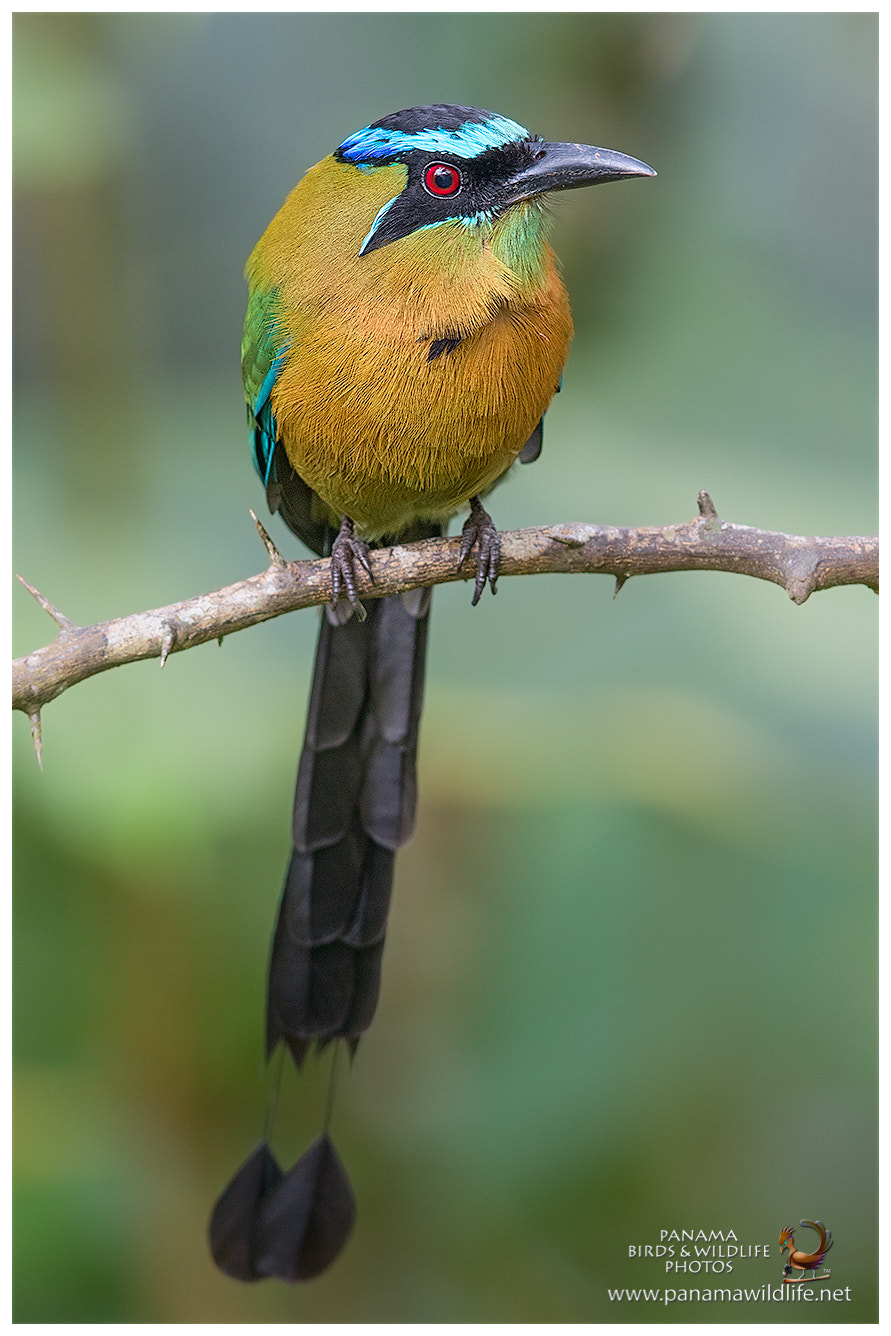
(463, 166)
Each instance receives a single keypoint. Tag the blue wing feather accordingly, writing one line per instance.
(262, 428)
(264, 351)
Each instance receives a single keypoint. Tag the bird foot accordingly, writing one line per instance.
(347, 554)
(479, 532)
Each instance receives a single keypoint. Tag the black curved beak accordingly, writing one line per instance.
(569, 166)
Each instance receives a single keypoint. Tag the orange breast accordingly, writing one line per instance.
(386, 435)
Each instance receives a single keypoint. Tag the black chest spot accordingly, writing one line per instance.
(440, 346)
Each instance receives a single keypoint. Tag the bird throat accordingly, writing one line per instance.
(517, 239)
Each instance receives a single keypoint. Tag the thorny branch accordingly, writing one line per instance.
(801, 565)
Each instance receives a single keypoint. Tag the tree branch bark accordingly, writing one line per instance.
(801, 565)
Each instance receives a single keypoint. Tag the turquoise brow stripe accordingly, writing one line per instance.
(468, 141)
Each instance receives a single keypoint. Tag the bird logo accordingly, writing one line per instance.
(804, 1262)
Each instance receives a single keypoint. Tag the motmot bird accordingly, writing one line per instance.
(797, 1260)
(406, 330)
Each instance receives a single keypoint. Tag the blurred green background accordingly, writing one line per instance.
(630, 977)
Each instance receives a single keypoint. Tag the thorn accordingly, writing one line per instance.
(220, 641)
(63, 622)
(799, 591)
(36, 738)
(620, 581)
(801, 576)
(706, 506)
(168, 640)
(274, 555)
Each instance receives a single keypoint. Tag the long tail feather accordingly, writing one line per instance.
(290, 1226)
(354, 805)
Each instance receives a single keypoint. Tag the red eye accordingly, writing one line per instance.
(441, 178)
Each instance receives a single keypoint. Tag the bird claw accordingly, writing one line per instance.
(479, 532)
(347, 553)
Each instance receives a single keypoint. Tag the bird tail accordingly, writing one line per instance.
(354, 805)
(825, 1237)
